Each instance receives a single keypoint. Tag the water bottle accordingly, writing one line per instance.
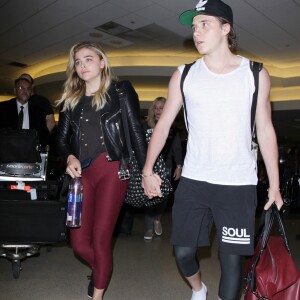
(74, 203)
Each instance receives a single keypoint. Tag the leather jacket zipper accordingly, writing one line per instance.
(108, 130)
(109, 125)
(119, 133)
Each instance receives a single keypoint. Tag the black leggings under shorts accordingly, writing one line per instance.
(199, 204)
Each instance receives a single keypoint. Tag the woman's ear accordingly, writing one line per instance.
(102, 63)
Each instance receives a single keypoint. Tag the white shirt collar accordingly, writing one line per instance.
(20, 104)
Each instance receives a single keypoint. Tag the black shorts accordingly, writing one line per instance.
(198, 204)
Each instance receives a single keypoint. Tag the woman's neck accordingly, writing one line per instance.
(92, 87)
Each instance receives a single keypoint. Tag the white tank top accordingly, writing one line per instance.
(219, 116)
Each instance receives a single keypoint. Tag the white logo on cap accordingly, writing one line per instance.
(200, 4)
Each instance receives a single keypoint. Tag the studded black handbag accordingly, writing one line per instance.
(135, 194)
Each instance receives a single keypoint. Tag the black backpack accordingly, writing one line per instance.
(255, 66)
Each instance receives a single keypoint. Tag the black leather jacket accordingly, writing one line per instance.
(68, 131)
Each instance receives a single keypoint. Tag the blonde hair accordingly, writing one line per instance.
(74, 87)
(150, 119)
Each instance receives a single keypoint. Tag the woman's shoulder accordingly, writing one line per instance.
(124, 84)
(127, 87)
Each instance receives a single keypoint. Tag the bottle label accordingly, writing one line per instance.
(74, 210)
(73, 197)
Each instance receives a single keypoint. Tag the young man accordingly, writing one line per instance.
(219, 176)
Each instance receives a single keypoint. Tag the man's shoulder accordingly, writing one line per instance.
(190, 64)
(38, 98)
(12, 100)
(41, 102)
(8, 111)
(8, 103)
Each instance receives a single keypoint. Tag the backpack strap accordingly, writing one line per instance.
(183, 76)
(255, 67)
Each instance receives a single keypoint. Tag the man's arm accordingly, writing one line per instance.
(151, 183)
(267, 139)
(45, 105)
(50, 122)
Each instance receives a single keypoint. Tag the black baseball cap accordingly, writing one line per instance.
(216, 8)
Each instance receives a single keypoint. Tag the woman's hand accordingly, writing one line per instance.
(73, 166)
(177, 172)
(274, 196)
(151, 184)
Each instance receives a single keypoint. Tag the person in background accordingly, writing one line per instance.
(292, 175)
(172, 154)
(41, 102)
(19, 113)
(292, 165)
(219, 176)
(91, 140)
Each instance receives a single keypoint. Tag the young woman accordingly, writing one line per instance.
(92, 142)
(218, 182)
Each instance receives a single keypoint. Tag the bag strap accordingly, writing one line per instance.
(124, 118)
(183, 76)
(255, 67)
(121, 95)
(268, 218)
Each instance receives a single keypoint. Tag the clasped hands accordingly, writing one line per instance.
(151, 185)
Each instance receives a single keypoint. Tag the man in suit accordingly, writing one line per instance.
(18, 113)
(41, 102)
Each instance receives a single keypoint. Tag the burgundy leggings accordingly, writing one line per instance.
(103, 195)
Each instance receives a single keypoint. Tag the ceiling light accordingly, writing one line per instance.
(17, 64)
(112, 28)
(96, 35)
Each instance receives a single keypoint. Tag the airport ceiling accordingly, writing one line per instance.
(145, 43)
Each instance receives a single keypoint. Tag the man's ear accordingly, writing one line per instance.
(226, 28)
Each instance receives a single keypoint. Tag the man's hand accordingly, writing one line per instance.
(177, 173)
(274, 196)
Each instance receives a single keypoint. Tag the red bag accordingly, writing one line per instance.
(271, 273)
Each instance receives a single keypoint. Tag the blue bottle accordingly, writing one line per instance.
(74, 203)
